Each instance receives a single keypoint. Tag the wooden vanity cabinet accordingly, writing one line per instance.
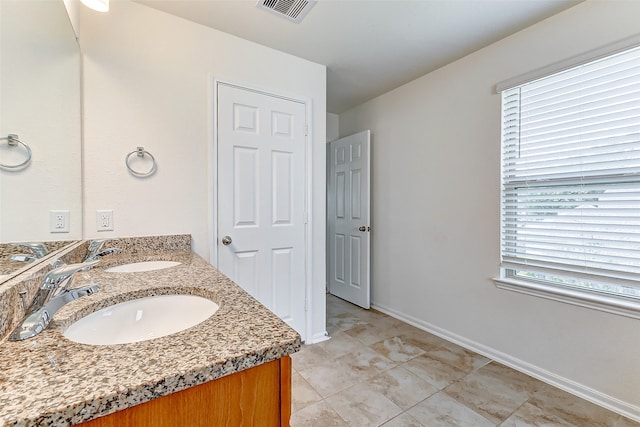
(259, 396)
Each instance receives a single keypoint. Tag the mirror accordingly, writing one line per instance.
(40, 102)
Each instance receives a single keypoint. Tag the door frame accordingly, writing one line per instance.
(212, 190)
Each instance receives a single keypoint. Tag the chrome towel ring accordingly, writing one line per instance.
(141, 152)
(13, 141)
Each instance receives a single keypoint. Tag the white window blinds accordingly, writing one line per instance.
(571, 177)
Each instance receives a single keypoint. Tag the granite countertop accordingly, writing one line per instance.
(10, 267)
(51, 381)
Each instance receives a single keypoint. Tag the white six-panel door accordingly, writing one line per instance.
(348, 218)
(261, 198)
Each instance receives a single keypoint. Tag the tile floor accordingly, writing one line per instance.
(378, 371)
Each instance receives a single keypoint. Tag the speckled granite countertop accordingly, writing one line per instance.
(9, 267)
(51, 381)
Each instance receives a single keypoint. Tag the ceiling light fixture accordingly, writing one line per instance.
(97, 5)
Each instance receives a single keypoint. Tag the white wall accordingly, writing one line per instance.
(333, 127)
(147, 82)
(436, 145)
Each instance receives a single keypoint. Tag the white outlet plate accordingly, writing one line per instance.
(104, 220)
(59, 221)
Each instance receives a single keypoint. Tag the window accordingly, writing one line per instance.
(570, 201)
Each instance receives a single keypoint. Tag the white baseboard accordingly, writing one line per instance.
(577, 389)
(322, 336)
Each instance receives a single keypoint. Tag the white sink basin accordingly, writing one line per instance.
(138, 267)
(141, 319)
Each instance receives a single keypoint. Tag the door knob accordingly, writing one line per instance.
(362, 228)
(226, 240)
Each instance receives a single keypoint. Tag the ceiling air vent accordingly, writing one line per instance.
(293, 10)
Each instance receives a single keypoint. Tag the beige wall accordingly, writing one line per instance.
(333, 126)
(147, 82)
(436, 180)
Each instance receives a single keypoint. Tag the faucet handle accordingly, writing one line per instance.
(55, 277)
(95, 246)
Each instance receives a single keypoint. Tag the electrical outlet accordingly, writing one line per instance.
(104, 220)
(59, 221)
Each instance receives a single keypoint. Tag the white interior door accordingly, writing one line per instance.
(261, 198)
(348, 218)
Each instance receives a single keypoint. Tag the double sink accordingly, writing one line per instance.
(53, 380)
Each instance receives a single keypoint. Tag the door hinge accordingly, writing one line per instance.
(306, 130)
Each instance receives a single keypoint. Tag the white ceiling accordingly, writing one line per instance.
(371, 47)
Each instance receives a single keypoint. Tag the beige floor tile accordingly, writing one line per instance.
(420, 338)
(333, 300)
(441, 349)
(336, 306)
(371, 333)
(345, 321)
(382, 319)
(457, 356)
(434, 371)
(494, 391)
(330, 377)
(317, 415)
(531, 416)
(572, 409)
(340, 344)
(308, 356)
(332, 329)
(403, 420)
(441, 410)
(625, 422)
(366, 362)
(356, 371)
(402, 387)
(361, 406)
(374, 316)
(302, 394)
(396, 349)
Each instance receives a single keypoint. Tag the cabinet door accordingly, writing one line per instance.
(260, 396)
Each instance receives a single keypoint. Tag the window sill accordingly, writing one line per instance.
(610, 304)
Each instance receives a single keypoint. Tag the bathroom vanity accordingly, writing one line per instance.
(232, 369)
(259, 396)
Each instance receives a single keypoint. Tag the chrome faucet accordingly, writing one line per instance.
(38, 250)
(53, 294)
(95, 250)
